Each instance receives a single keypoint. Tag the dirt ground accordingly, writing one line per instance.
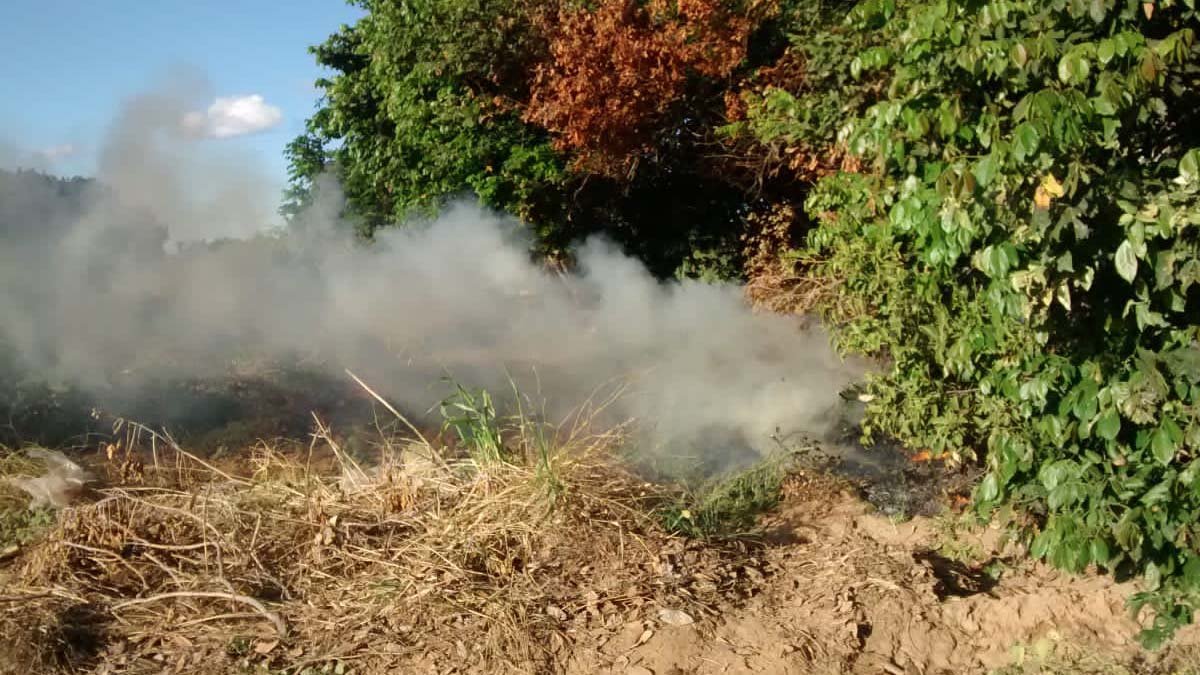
(850, 591)
(835, 585)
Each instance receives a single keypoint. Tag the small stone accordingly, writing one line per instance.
(674, 617)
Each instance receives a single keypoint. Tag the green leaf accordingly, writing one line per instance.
(947, 123)
(1147, 317)
(1162, 447)
(1069, 68)
(1103, 106)
(1126, 531)
(985, 170)
(1109, 425)
(1189, 166)
(989, 488)
(1053, 474)
(1184, 362)
(1153, 577)
(1086, 405)
(1126, 260)
(1019, 55)
(1191, 571)
(1099, 552)
(1041, 545)
(1063, 295)
(996, 262)
(1025, 141)
(1188, 274)
(1063, 495)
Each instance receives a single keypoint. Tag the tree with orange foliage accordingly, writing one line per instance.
(618, 72)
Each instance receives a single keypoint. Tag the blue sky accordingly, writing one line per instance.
(66, 66)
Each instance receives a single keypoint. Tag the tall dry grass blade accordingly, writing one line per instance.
(275, 619)
(382, 401)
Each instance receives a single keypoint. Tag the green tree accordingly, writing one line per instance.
(429, 100)
(417, 111)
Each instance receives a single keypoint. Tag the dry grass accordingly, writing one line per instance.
(784, 292)
(301, 558)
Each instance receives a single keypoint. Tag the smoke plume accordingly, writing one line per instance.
(96, 296)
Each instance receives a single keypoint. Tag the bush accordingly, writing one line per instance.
(1021, 244)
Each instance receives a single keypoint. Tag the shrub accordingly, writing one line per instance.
(1022, 246)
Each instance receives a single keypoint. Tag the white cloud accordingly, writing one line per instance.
(53, 153)
(232, 116)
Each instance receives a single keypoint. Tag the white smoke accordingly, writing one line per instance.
(458, 296)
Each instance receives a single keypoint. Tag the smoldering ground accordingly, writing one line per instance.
(104, 296)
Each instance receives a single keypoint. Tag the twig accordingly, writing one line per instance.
(23, 598)
(115, 557)
(217, 617)
(275, 619)
(402, 418)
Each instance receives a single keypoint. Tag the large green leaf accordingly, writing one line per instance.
(1025, 141)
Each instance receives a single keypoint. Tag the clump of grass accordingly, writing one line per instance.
(1053, 654)
(728, 506)
(522, 437)
(472, 415)
(15, 463)
(536, 438)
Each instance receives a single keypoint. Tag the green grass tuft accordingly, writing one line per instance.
(728, 506)
(472, 416)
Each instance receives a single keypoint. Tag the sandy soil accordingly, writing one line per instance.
(850, 591)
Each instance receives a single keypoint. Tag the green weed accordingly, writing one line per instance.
(728, 506)
(954, 539)
(20, 527)
(538, 441)
(472, 416)
(19, 524)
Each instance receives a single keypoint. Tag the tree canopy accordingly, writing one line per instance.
(575, 119)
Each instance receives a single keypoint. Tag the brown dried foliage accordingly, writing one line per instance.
(790, 160)
(616, 71)
(779, 282)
